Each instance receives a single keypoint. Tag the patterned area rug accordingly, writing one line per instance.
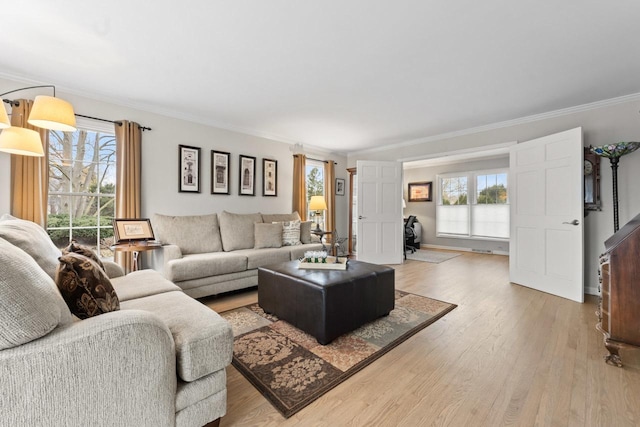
(435, 257)
(292, 370)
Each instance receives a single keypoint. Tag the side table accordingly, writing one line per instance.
(134, 248)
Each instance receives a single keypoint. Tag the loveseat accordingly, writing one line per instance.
(159, 360)
(216, 253)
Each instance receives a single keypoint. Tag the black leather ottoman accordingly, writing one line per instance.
(327, 303)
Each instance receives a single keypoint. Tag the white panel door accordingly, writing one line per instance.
(380, 233)
(546, 247)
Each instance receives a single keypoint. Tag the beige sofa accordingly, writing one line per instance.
(160, 360)
(217, 253)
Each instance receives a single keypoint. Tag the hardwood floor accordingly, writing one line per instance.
(507, 355)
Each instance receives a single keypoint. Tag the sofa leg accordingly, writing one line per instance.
(214, 423)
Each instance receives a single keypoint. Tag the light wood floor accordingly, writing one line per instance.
(508, 355)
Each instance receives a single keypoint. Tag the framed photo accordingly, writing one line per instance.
(247, 176)
(270, 177)
(189, 158)
(128, 230)
(339, 187)
(220, 172)
(420, 191)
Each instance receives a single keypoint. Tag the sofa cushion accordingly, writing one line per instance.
(141, 283)
(196, 266)
(280, 217)
(32, 239)
(290, 233)
(85, 287)
(237, 230)
(268, 235)
(260, 257)
(193, 234)
(77, 248)
(203, 339)
(30, 304)
(305, 232)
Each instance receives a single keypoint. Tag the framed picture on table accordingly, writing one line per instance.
(129, 230)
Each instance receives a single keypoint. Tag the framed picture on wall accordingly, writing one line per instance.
(420, 191)
(339, 187)
(189, 164)
(270, 177)
(247, 176)
(220, 172)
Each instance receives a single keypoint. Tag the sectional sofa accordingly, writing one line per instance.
(158, 360)
(216, 253)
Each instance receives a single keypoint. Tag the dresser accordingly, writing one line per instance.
(619, 306)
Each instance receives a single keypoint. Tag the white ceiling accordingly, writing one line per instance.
(344, 75)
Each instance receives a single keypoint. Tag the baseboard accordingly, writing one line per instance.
(456, 248)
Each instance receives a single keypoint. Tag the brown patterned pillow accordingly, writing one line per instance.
(85, 287)
(77, 248)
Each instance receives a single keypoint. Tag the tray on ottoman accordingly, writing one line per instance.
(326, 303)
(331, 264)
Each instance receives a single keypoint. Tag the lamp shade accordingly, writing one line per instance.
(17, 140)
(317, 203)
(52, 113)
(4, 118)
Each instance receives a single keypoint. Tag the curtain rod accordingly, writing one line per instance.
(143, 128)
(318, 160)
(17, 103)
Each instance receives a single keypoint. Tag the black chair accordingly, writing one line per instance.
(409, 235)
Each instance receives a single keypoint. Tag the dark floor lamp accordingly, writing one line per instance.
(613, 152)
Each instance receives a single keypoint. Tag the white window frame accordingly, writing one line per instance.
(472, 199)
(91, 126)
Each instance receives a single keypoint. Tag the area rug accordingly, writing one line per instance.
(291, 369)
(435, 257)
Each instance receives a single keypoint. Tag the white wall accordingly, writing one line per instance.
(425, 212)
(160, 162)
(612, 122)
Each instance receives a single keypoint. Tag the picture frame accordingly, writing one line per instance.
(420, 191)
(220, 166)
(189, 169)
(269, 177)
(132, 229)
(340, 187)
(247, 176)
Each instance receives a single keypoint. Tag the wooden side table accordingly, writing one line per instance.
(134, 248)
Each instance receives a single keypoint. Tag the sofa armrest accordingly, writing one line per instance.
(161, 257)
(112, 269)
(114, 369)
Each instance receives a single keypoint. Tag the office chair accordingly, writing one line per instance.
(409, 235)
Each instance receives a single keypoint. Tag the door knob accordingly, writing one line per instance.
(362, 217)
(574, 222)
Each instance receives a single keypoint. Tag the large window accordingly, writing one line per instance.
(315, 187)
(82, 186)
(473, 205)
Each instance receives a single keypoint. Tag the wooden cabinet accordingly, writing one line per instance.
(619, 308)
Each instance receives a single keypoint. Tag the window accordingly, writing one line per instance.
(82, 186)
(315, 187)
(484, 215)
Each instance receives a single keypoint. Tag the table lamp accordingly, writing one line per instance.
(317, 203)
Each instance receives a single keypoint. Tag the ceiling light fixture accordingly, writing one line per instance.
(47, 112)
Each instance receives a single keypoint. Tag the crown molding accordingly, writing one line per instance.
(507, 123)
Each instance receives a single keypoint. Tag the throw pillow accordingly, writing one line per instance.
(85, 287)
(30, 303)
(237, 230)
(305, 232)
(268, 235)
(77, 248)
(290, 233)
